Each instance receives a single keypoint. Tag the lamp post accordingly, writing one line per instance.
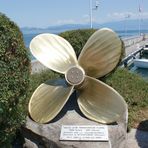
(140, 11)
(125, 25)
(90, 5)
(91, 11)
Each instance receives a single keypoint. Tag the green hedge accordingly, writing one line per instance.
(14, 79)
(77, 38)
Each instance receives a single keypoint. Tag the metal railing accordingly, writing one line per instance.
(127, 60)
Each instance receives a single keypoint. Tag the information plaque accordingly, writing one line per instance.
(84, 133)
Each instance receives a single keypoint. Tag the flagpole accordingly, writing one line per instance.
(125, 27)
(139, 24)
(90, 5)
(139, 9)
(91, 11)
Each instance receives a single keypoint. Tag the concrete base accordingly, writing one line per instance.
(47, 135)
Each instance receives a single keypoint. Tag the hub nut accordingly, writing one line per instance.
(75, 75)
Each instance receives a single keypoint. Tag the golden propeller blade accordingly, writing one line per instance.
(48, 100)
(100, 102)
(53, 51)
(101, 53)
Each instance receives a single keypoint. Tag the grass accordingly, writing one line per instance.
(131, 86)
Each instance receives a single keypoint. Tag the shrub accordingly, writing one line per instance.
(77, 38)
(14, 79)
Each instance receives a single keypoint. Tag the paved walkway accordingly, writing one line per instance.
(137, 139)
(134, 47)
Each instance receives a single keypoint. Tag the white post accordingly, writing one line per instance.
(139, 24)
(125, 27)
(126, 20)
(90, 5)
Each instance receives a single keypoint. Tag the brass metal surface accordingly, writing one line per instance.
(53, 51)
(100, 102)
(101, 53)
(48, 100)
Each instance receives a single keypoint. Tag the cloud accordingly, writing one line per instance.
(85, 16)
(86, 19)
(83, 20)
(144, 14)
(115, 16)
(120, 15)
(65, 21)
(124, 15)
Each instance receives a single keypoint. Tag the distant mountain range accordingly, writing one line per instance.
(119, 25)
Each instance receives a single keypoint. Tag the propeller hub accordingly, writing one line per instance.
(75, 75)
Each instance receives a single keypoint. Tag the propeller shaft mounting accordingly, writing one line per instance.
(75, 75)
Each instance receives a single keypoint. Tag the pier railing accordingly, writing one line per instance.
(129, 59)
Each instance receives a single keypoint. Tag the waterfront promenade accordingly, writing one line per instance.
(131, 45)
(130, 49)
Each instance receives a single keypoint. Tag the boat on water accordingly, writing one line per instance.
(141, 63)
(146, 48)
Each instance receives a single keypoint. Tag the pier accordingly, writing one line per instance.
(133, 49)
(133, 46)
(133, 43)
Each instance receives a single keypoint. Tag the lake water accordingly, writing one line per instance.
(140, 71)
(143, 72)
(28, 38)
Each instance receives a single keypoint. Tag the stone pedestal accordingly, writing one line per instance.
(47, 135)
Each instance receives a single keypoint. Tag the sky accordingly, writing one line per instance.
(44, 13)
